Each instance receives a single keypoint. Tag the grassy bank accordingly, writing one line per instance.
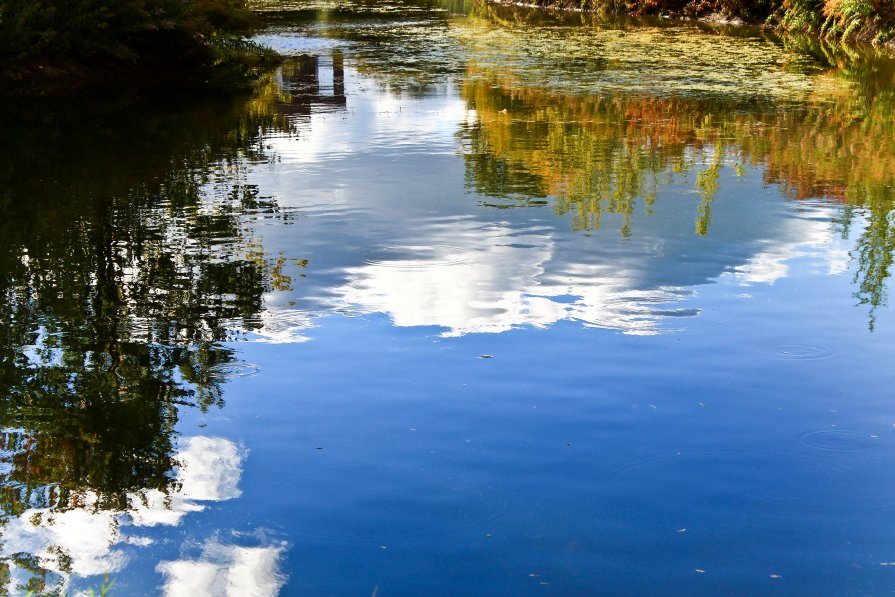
(856, 20)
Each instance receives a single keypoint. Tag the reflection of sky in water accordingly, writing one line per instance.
(428, 256)
(492, 279)
(87, 541)
(393, 435)
(816, 240)
(493, 284)
(225, 570)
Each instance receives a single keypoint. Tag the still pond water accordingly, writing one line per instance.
(461, 301)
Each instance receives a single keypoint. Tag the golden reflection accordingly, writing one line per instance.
(592, 154)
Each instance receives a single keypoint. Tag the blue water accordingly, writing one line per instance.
(433, 381)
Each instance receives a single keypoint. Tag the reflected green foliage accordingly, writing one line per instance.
(611, 153)
(591, 155)
(594, 115)
(128, 256)
(874, 253)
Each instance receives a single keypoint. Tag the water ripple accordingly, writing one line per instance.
(798, 352)
(841, 440)
(234, 370)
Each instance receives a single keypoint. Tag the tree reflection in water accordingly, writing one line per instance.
(127, 256)
(132, 255)
(589, 155)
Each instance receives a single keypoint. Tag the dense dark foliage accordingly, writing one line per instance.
(74, 36)
(114, 319)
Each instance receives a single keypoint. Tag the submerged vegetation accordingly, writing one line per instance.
(865, 20)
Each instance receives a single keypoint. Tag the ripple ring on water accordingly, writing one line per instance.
(419, 257)
(841, 440)
(234, 370)
(797, 352)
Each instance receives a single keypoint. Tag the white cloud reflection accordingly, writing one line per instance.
(282, 325)
(480, 281)
(87, 541)
(225, 570)
(209, 471)
(81, 540)
(816, 239)
(473, 279)
(466, 276)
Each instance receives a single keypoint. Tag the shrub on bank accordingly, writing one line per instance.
(868, 20)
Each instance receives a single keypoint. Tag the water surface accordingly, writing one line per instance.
(461, 300)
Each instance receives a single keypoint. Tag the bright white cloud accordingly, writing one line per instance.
(225, 570)
(816, 238)
(86, 541)
(81, 539)
(473, 279)
(479, 286)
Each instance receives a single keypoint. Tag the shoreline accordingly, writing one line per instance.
(150, 75)
(776, 22)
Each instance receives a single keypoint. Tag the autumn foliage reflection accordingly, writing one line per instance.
(612, 153)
